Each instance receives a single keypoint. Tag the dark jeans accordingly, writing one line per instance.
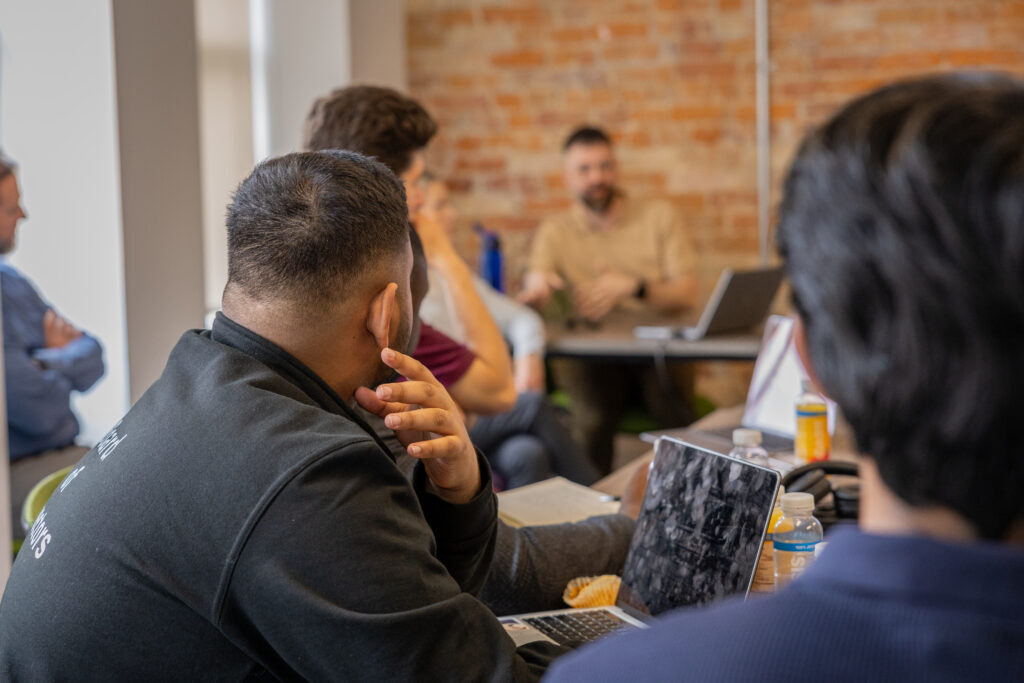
(530, 443)
(601, 392)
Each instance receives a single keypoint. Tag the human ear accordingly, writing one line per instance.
(378, 317)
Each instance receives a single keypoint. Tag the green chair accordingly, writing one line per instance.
(38, 496)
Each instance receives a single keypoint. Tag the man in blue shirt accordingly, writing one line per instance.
(902, 231)
(45, 359)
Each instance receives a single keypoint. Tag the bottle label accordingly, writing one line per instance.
(812, 441)
(795, 547)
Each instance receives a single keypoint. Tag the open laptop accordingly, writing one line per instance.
(740, 300)
(770, 407)
(698, 539)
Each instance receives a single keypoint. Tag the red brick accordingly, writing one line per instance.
(574, 35)
(514, 15)
(518, 58)
(624, 30)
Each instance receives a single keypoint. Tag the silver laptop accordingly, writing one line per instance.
(698, 539)
(774, 387)
(740, 300)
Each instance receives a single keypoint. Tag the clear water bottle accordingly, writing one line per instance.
(795, 537)
(746, 445)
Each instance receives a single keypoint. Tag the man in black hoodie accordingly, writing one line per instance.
(241, 522)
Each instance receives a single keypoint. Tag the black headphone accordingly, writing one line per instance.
(842, 505)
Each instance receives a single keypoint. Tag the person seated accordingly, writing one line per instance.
(617, 261)
(46, 358)
(524, 438)
(901, 232)
(520, 325)
(249, 523)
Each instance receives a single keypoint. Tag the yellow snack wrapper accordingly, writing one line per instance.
(592, 591)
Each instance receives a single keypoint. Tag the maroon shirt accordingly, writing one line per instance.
(447, 359)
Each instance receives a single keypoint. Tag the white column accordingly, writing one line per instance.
(158, 125)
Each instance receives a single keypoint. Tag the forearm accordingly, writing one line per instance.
(532, 565)
(80, 361)
(481, 334)
(672, 295)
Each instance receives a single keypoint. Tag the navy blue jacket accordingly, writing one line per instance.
(871, 608)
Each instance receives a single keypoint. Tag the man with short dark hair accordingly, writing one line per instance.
(242, 522)
(618, 261)
(46, 358)
(532, 565)
(902, 231)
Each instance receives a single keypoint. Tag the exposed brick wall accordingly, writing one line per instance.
(673, 81)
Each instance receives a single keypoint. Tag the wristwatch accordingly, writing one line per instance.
(641, 289)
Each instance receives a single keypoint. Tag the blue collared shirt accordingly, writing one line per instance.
(870, 608)
(40, 380)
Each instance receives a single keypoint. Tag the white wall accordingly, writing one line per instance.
(225, 108)
(300, 50)
(58, 118)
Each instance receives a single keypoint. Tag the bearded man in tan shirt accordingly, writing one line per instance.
(617, 261)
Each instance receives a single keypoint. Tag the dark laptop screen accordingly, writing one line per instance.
(700, 531)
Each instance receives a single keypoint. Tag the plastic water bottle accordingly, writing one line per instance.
(491, 266)
(812, 441)
(746, 445)
(795, 537)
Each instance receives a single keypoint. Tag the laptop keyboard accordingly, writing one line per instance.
(572, 629)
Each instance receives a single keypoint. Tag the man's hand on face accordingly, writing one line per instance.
(430, 426)
(595, 298)
(538, 286)
(58, 332)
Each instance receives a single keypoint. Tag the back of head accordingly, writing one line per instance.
(304, 228)
(902, 229)
(7, 166)
(374, 121)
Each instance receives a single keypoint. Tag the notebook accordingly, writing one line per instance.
(697, 539)
(770, 405)
(740, 300)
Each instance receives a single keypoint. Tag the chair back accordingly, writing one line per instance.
(38, 496)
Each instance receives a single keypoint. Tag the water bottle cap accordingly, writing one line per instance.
(807, 386)
(746, 437)
(798, 502)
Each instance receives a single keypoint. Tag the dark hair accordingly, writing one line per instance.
(587, 135)
(303, 226)
(902, 230)
(378, 122)
(7, 166)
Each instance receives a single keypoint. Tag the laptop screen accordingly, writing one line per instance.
(700, 530)
(775, 385)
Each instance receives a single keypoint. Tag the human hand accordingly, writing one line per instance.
(595, 298)
(417, 409)
(538, 286)
(529, 373)
(57, 331)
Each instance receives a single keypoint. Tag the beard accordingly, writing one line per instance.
(599, 198)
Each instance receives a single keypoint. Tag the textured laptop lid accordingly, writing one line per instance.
(700, 530)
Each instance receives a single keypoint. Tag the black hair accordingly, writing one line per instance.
(902, 231)
(586, 135)
(302, 227)
(378, 122)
